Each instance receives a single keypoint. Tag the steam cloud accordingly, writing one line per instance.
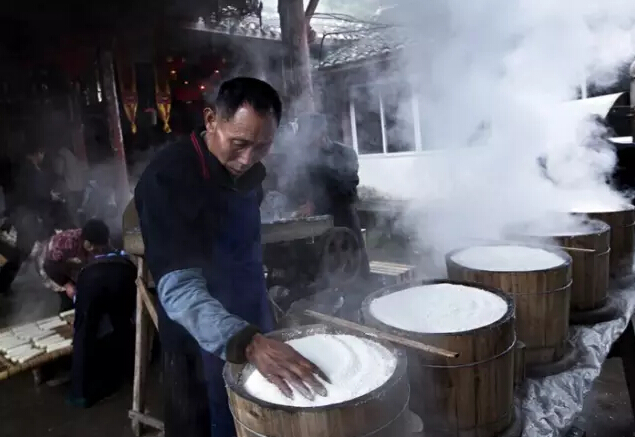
(493, 75)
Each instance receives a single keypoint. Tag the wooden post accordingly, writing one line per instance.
(299, 87)
(114, 122)
(141, 358)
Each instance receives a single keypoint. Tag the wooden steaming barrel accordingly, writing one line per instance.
(622, 238)
(542, 296)
(382, 413)
(468, 396)
(590, 270)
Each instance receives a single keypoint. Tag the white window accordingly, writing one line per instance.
(384, 119)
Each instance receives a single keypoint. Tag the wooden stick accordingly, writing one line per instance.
(146, 420)
(371, 332)
(149, 303)
(538, 245)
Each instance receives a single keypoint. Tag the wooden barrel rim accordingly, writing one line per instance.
(557, 290)
(422, 282)
(406, 405)
(598, 227)
(236, 385)
(566, 258)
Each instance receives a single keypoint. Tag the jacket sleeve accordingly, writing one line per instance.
(169, 219)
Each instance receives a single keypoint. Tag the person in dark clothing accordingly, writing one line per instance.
(29, 202)
(198, 207)
(328, 184)
(32, 202)
(66, 252)
(105, 297)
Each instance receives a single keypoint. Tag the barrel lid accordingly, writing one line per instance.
(584, 227)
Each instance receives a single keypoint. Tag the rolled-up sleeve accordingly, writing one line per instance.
(184, 296)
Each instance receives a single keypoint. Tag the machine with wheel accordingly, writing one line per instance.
(301, 267)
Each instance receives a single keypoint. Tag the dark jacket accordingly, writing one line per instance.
(32, 189)
(201, 231)
(327, 176)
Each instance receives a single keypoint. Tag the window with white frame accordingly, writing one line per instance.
(384, 118)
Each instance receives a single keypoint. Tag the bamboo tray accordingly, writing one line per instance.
(9, 368)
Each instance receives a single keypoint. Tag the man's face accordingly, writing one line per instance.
(242, 140)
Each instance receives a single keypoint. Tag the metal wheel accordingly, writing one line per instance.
(341, 256)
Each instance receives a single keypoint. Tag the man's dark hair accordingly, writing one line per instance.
(247, 90)
(96, 232)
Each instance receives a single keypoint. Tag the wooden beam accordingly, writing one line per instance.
(141, 358)
(146, 420)
(149, 302)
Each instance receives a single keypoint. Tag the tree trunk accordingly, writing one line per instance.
(298, 86)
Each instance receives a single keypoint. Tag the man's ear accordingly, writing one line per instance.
(88, 246)
(211, 119)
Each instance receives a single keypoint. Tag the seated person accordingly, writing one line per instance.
(104, 301)
(66, 253)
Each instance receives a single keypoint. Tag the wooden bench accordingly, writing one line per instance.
(389, 273)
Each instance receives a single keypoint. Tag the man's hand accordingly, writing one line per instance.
(283, 366)
(305, 210)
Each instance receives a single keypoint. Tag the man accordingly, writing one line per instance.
(104, 301)
(66, 253)
(198, 206)
(329, 180)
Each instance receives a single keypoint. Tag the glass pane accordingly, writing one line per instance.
(398, 116)
(367, 120)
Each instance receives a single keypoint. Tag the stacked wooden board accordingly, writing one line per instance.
(27, 346)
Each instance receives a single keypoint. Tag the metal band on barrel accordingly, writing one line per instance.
(476, 363)
(543, 292)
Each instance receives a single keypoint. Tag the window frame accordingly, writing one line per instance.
(414, 99)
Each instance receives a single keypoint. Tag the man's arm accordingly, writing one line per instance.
(184, 296)
(167, 214)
